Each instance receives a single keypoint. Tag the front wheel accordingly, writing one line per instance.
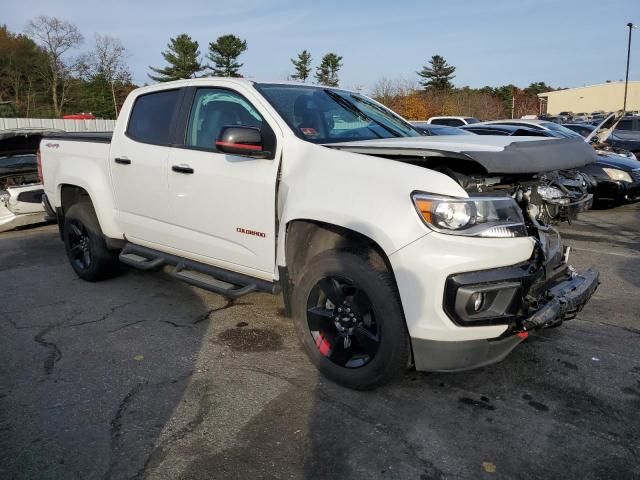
(349, 318)
(85, 245)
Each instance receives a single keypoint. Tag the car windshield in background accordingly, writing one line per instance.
(323, 115)
(18, 161)
(431, 129)
(564, 131)
(471, 120)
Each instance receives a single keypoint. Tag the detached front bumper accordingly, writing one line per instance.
(459, 321)
(563, 301)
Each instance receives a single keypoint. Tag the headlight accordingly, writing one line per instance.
(615, 174)
(474, 216)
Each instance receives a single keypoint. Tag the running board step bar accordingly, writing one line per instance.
(138, 261)
(214, 279)
(203, 280)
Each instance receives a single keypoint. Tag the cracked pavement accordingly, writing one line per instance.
(143, 376)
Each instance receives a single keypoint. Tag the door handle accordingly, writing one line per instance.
(182, 169)
(122, 160)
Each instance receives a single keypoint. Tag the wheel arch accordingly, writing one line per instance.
(70, 194)
(305, 238)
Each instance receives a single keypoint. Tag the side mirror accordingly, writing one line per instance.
(245, 141)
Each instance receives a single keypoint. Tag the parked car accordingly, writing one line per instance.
(504, 130)
(452, 121)
(542, 125)
(613, 141)
(565, 116)
(581, 117)
(386, 245)
(20, 188)
(432, 129)
(614, 178)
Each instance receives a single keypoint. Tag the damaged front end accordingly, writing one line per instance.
(545, 290)
(541, 177)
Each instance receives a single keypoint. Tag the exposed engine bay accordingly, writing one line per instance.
(549, 198)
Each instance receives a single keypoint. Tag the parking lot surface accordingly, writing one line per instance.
(145, 377)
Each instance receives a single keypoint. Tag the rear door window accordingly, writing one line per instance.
(152, 116)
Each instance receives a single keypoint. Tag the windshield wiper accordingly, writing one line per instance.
(359, 113)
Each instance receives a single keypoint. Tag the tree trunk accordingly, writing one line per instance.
(54, 92)
(115, 104)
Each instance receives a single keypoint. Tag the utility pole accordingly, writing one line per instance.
(626, 80)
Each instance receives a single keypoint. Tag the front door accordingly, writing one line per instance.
(222, 206)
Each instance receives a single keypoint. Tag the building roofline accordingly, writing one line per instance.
(546, 94)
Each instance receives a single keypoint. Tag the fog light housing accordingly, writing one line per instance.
(482, 302)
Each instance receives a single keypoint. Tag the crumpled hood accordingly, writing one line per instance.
(496, 154)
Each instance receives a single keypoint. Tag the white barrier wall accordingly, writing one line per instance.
(58, 123)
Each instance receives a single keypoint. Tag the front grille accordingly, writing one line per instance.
(635, 174)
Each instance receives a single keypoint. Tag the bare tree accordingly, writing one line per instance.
(108, 60)
(57, 37)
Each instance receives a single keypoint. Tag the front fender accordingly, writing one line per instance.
(363, 193)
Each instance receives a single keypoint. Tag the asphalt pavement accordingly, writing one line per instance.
(142, 376)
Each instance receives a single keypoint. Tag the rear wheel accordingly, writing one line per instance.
(349, 318)
(85, 245)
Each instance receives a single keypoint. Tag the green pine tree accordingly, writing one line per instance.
(224, 53)
(182, 56)
(438, 76)
(302, 65)
(327, 71)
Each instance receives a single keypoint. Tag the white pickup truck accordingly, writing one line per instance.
(390, 249)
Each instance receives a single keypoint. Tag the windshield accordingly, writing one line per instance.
(18, 161)
(429, 129)
(564, 131)
(323, 115)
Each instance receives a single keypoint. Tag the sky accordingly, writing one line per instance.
(492, 42)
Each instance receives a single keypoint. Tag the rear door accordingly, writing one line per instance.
(138, 163)
(222, 206)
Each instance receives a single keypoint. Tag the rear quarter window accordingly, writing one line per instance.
(151, 117)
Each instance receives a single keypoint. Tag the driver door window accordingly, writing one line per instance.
(216, 108)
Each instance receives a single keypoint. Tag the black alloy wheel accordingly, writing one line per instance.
(79, 245)
(342, 322)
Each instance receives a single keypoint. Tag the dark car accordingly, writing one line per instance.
(614, 178)
(506, 130)
(428, 129)
(626, 135)
(619, 141)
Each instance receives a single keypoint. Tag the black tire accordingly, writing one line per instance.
(363, 369)
(85, 245)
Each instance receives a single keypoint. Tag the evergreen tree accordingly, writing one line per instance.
(182, 56)
(224, 53)
(327, 71)
(438, 76)
(302, 65)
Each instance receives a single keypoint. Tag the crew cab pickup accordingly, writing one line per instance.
(390, 249)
